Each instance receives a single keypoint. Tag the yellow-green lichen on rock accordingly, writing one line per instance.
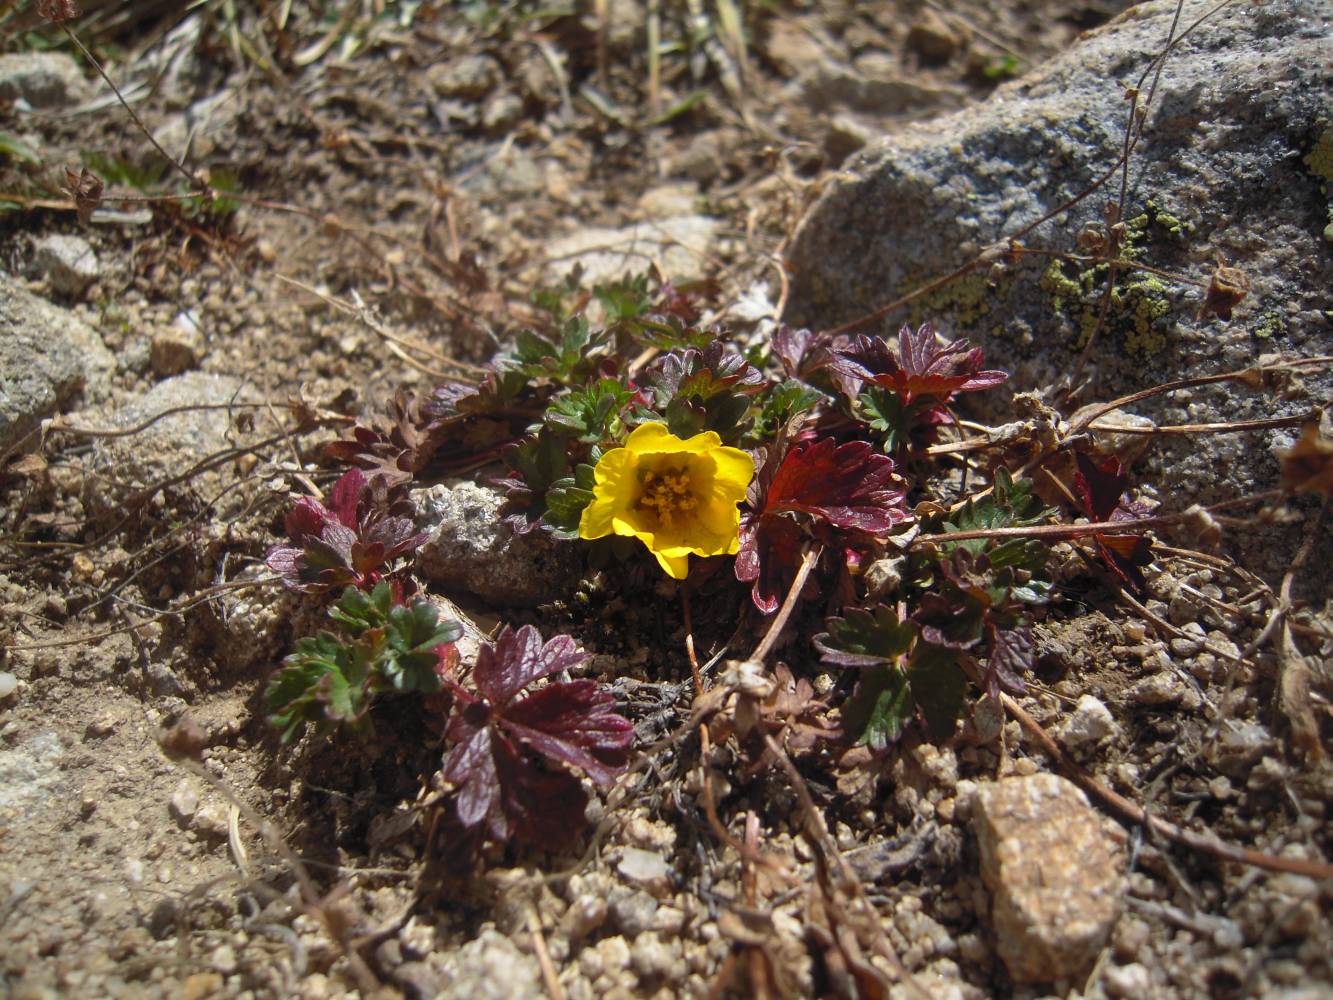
(966, 300)
(1271, 324)
(1320, 162)
(1138, 302)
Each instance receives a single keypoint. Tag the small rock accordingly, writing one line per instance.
(491, 968)
(169, 446)
(224, 959)
(101, 727)
(42, 79)
(69, 263)
(8, 684)
(471, 549)
(1054, 871)
(1191, 643)
(184, 801)
(615, 954)
(651, 957)
(502, 112)
(585, 915)
(211, 820)
(201, 985)
(1157, 689)
(47, 356)
(1089, 725)
(466, 77)
(1133, 980)
(30, 774)
(791, 47)
(647, 868)
(633, 911)
(421, 978)
(1239, 744)
(932, 38)
(177, 349)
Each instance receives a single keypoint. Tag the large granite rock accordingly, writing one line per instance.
(47, 356)
(1235, 161)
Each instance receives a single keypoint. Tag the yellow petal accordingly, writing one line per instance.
(719, 517)
(676, 567)
(614, 478)
(735, 468)
(655, 438)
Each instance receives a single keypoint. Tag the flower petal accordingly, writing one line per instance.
(734, 468)
(676, 567)
(654, 437)
(614, 477)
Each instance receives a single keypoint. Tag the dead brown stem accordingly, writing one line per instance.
(1132, 813)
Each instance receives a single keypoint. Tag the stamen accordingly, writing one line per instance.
(667, 495)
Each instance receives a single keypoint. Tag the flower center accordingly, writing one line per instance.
(666, 495)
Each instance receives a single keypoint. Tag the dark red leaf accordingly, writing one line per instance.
(1011, 656)
(847, 492)
(1099, 487)
(769, 553)
(850, 486)
(538, 806)
(1100, 490)
(518, 658)
(922, 365)
(470, 765)
(510, 751)
(573, 722)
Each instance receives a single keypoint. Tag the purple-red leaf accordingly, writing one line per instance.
(367, 524)
(922, 365)
(847, 493)
(1011, 656)
(573, 722)
(518, 658)
(1100, 489)
(850, 486)
(510, 748)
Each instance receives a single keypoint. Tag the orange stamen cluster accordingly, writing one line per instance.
(666, 495)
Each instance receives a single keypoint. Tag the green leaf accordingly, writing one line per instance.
(624, 300)
(359, 612)
(591, 414)
(879, 708)
(779, 404)
(883, 412)
(1009, 505)
(13, 146)
(323, 683)
(540, 460)
(938, 687)
(865, 638)
(566, 500)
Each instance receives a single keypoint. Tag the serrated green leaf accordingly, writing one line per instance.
(566, 500)
(865, 638)
(591, 414)
(879, 708)
(779, 404)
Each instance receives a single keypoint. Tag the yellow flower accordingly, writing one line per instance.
(677, 497)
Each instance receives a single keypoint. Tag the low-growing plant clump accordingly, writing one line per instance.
(815, 467)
